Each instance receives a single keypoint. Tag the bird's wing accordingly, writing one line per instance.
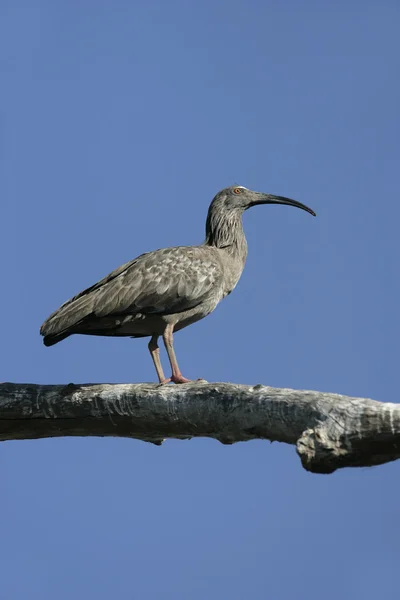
(162, 282)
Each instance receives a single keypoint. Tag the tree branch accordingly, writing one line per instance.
(330, 431)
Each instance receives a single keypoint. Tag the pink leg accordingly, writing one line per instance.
(176, 376)
(155, 355)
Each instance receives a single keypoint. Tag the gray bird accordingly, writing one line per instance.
(163, 291)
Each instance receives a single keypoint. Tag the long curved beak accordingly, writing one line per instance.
(271, 199)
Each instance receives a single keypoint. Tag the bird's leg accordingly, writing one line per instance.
(176, 376)
(155, 355)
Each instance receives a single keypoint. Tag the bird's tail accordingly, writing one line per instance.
(50, 340)
(64, 321)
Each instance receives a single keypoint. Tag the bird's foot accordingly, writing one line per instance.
(179, 378)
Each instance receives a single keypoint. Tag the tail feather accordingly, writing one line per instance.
(50, 340)
(78, 310)
(64, 321)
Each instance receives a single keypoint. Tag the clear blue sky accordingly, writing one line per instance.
(119, 122)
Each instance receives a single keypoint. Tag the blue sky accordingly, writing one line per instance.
(119, 123)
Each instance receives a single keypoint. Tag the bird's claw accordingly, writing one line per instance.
(178, 379)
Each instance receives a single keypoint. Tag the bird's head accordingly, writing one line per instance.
(240, 198)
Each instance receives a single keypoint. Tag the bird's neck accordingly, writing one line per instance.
(225, 231)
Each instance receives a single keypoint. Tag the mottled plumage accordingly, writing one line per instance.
(163, 291)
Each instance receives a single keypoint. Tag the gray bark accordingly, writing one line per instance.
(330, 431)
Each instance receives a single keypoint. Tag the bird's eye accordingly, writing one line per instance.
(237, 191)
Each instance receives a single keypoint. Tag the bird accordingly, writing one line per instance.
(160, 292)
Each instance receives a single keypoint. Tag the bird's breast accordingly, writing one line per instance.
(233, 269)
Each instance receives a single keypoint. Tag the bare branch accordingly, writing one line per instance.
(330, 431)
